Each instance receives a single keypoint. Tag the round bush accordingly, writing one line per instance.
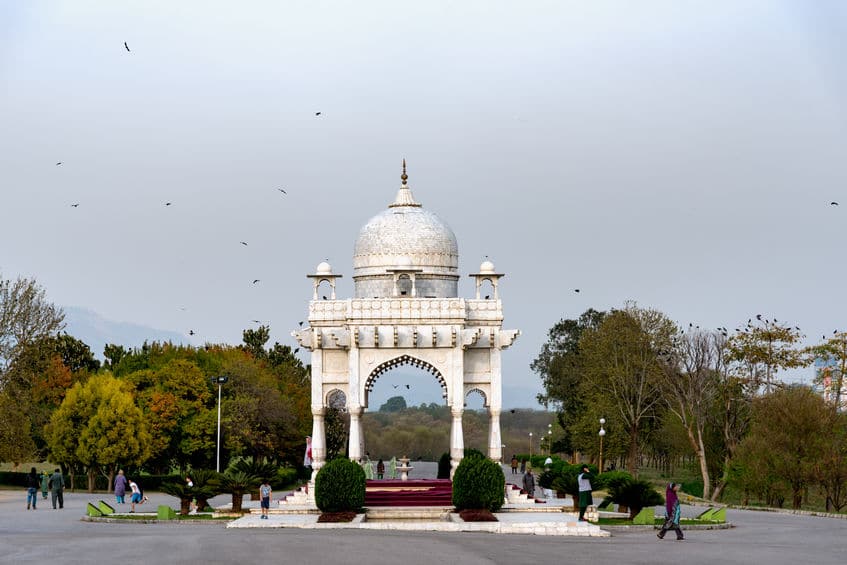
(478, 484)
(340, 486)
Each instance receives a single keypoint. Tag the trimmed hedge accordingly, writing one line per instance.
(340, 486)
(478, 484)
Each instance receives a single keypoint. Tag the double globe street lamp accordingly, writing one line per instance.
(220, 381)
(601, 433)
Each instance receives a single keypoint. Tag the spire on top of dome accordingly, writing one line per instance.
(404, 195)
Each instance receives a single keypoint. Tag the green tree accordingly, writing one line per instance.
(833, 350)
(622, 368)
(561, 368)
(393, 404)
(25, 317)
(763, 348)
(98, 426)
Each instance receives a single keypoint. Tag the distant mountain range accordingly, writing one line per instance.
(96, 331)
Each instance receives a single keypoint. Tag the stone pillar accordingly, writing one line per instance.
(495, 450)
(318, 439)
(495, 404)
(457, 438)
(355, 439)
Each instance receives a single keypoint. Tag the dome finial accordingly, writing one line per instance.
(404, 195)
(404, 177)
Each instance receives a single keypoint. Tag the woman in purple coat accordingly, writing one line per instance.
(120, 488)
(672, 512)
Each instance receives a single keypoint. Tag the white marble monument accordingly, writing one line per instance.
(406, 311)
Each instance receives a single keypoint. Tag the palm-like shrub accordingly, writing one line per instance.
(262, 471)
(183, 492)
(478, 484)
(633, 493)
(207, 484)
(238, 483)
(340, 486)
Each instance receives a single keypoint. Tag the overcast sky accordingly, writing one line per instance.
(680, 154)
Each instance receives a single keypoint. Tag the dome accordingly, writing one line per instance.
(323, 268)
(486, 268)
(410, 237)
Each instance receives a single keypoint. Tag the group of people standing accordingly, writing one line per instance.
(54, 483)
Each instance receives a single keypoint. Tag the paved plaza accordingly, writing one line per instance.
(59, 536)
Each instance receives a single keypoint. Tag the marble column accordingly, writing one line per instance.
(355, 439)
(495, 449)
(318, 439)
(457, 439)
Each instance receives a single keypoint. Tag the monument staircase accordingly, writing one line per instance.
(516, 495)
(422, 492)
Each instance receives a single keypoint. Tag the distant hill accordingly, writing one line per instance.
(96, 331)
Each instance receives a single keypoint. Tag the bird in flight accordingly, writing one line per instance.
(282, 191)
(301, 323)
(296, 349)
(256, 321)
(75, 205)
(59, 163)
(317, 113)
(407, 386)
(833, 203)
(256, 280)
(167, 203)
(243, 243)
(127, 47)
(395, 386)
(190, 332)
(576, 290)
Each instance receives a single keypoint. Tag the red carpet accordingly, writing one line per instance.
(424, 492)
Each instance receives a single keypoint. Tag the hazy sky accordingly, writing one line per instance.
(680, 154)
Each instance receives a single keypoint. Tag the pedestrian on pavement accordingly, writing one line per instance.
(584, 484)
(380, 468)
(137, 496)
(57, 489)
(32, 484)
(523, 466)
(265, 493)
(45, 481)
(529, 483)
(120, 487)
(672, 512)
(514, 464)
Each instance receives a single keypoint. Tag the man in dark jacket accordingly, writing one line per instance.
(57, 488)
(529, 483)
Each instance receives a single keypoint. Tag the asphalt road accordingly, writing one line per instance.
(58, 536)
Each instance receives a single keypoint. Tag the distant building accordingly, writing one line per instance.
(826, 375)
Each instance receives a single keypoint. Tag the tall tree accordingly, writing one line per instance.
(561, 368)
(690, 386)
(98, 426)
(25, 317)
(622, 368)
(763, 348)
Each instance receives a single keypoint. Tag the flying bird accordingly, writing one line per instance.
(167, 203)
(395, 386)
(190, 332)
(407, 386)
(244, 243)
(833, 203)
(282, 191)
(576, 290)
(256, 280)
(759, 317)
(59, 163)
(296, 349)
(301, 323)
(317, 113)
(127, 47)
(75, 205)
(256, 321)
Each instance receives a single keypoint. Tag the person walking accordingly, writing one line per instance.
(265, 493)
(529, 483)
(514, 464)
(584, 485)
(523, 466)
(45, 481)
(120, 488)
(57, 489)
(380, 469)
(672, 512)
(32, 484)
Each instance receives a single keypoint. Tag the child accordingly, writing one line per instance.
(265, 494)
(137, 495)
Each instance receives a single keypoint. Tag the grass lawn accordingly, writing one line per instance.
(657, 522)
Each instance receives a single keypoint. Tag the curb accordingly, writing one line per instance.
(105, 520)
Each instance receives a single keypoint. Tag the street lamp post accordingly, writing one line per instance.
(220, 380)
(602, 432)
(549, 439)
(530, 448)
